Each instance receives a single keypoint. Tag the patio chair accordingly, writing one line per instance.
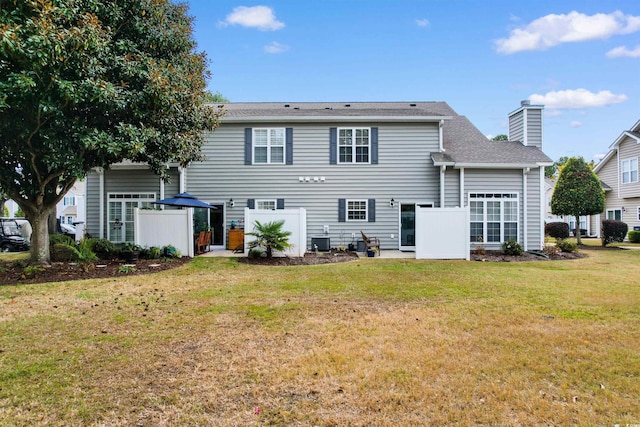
(207, 240)
(370, 242)
(201, 244)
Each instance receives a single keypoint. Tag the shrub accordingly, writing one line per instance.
(634, 236)
(63, 252)
(61, 239)
(104, 248)
(512, 247)
(170, 251)
(86, 257)
(155, 252)
(613, 231)
(566, 245)
(255, 253)
(557, 230)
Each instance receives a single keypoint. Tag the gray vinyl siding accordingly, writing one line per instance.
(534, 127)
(125, 181)
(629, 149)
(516, 126)
(510, 181)
(405, 172)
(93, 204)
(452, 188)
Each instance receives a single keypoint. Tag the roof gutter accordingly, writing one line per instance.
(344, 119)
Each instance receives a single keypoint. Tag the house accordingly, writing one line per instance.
(354, 167)
(618, 172)
(70, 209)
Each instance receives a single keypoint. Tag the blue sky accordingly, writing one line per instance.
(581, 59)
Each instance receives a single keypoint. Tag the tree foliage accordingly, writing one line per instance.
(215, 97)
(501, 137)
(578, 192)
(90, 83)
(553, 170)
(270, 236)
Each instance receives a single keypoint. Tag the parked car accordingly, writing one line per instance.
(11, 239)
(68, 230)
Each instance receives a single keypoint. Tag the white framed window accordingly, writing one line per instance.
(493, 217)
(615, 214)
(354, 145)
(268, 205)
(268, 145)
(69, 201)
(629, 169)
(357, 210)
(120, 214)
(638, 217)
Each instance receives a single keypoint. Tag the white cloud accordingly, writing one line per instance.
(552, 113)
(552, 30)
(422, 22)
(577, 98)
(623, 52)
(260, 17)
(575, 124)
(275, 47)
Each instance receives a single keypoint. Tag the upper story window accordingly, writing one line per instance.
(268, 145)
(69, 201)
(629, 168)
(353, 145)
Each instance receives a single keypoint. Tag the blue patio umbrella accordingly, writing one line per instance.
(185, 200)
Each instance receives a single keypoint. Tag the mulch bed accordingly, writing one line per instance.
(14, 273)
(308, 259)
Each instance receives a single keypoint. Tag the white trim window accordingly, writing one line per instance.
(268, 205)
(120, 214)
(615, 214)
(357, 210)
(354, 145)
(638, 217)
(493, 217)
(268, 146)
(629, 170)
(69, 201)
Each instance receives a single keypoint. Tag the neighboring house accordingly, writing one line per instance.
(618, 172)
(71, 208)
(353, 167)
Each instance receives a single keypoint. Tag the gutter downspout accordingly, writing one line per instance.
(543, 202)
(525, 211)
(183, 179)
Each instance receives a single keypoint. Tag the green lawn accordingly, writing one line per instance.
(370, 342)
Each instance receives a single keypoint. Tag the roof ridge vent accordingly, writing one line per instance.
(347, 105)
(328, 108)
(412, 105)
(286, 105)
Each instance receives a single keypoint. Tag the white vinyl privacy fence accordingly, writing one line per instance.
(165, 227)
(442, 233)
(295, 221)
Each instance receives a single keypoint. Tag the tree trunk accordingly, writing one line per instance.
(578, 230)
(40, 237)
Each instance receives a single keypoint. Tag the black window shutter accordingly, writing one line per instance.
(333, 146)
(342, 210)
(374, 146)
(251, 203)
(247, 146)
(289, 145)
(371, 206)
(280, 204)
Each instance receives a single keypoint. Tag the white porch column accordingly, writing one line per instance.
(442, 176)
(543, 207)
(525, 212)
(183, 179)
(440, 136)
(462, 187)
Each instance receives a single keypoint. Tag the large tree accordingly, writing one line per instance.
(578, 192)
(90, 83)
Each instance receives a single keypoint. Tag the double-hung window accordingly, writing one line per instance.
(268, 145)
(615, 214)
(353, 145)
(493, 217)
(356, 210)
(629, 169)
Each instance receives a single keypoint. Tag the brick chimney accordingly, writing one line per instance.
(525, 124)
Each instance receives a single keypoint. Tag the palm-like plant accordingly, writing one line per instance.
(270, 236)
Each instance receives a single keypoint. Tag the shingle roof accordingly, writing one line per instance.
(463, 142)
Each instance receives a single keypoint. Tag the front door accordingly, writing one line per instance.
(216, 221)
(408, 225)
